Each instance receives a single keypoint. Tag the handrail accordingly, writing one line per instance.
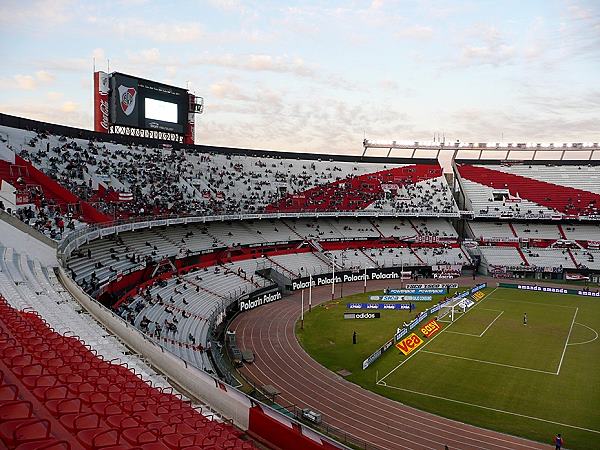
(94, 231)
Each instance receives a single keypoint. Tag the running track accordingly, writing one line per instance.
(387, 424)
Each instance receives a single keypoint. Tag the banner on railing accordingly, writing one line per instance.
(391, 273)
(550, 289)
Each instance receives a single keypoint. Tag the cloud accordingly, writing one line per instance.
(229, 5)
(419, 32)
(174, 32)
(28, 82)
(226, 89)
(260, 63)
(39, 14)
(54, 96)
(99, 54)
(151, 55)
(44, 76)
(489, 47)
(267, 118)
(68, 113)
(69, 107)
(389, 85)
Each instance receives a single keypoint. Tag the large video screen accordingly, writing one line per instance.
(159, 110)
(140, 103)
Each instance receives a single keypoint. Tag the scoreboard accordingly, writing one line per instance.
(124, 104)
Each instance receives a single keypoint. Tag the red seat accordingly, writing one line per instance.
(154, 446)
(106, 409)
(11, 352)
(45, 444)
(97, 439)
(77, 422)
(147, 417)
(34, 381)
(64, 406)
(70, 377)
(16, 409)
(122, 421)
(139, 435)
(28, 369)
(108, 389)
(51, 393)
(15, 432)
(17, 359)
(8, 392)
(94, 398)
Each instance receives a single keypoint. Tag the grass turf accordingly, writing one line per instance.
(486, 368)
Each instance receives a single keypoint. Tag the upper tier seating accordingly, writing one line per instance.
(522, 190)
(192, 181)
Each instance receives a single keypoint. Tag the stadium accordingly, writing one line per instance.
(157, 292)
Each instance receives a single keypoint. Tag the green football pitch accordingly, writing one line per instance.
(486, 367)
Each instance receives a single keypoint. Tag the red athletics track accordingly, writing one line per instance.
(387, 424)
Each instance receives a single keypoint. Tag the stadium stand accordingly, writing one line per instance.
(531, 190)
(175, 312)
(503, 256)
(57, 393)
(257, 220)
(125, 181)
(101, 260)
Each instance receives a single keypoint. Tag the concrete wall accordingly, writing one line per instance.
(27, 229)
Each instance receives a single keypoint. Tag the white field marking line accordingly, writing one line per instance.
(567, 342)
(487, 328)
(489, 362)
(586, 342)
(495, 409)
(430, 340)
(464, 334)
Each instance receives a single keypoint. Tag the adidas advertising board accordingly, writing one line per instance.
(362, 315)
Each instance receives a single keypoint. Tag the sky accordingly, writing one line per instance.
(319, 76)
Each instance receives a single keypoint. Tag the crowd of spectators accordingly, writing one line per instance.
(130, 309)
(164, 180)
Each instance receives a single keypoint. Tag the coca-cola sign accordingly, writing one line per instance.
(104, 112)
(101, 106)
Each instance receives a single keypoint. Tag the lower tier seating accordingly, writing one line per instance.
(56, 393)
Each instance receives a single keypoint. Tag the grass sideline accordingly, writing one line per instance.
(486, 368)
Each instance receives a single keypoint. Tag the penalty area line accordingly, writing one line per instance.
(488, 327)
(430, 340)
(493, 409)
(488, 362)
(567, 342)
